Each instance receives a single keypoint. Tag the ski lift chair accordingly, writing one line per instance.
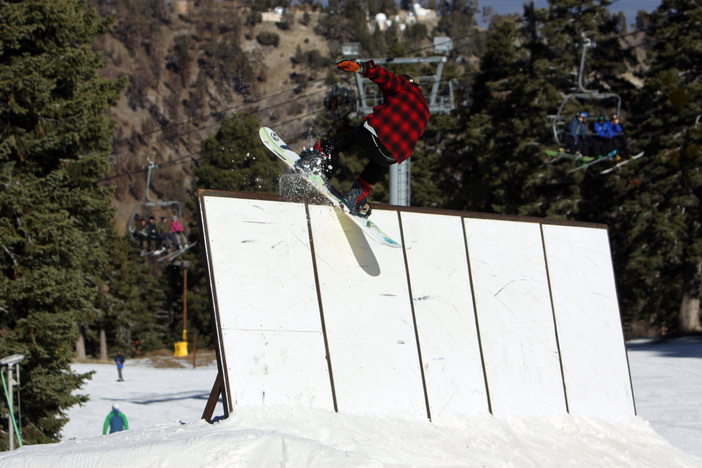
(150, 203)
(565, 112)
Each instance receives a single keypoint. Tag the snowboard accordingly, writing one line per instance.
(626, 161)
(612, 156)
(175, 253)
(274, 143)
(556, 155)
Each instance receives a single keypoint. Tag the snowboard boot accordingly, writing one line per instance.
(313, 160)
(356, 199)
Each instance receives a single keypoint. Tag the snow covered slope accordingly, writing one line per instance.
(667, 378)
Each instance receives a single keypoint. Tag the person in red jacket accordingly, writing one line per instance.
(387, 136)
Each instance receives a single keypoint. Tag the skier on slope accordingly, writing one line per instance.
(119, 360)
(387, 136)
(115, 421)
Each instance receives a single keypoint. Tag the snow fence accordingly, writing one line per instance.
(474, 314)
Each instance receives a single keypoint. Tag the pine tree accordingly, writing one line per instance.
(129, 306)
(53, 214)
(660, 215)
(234, 159)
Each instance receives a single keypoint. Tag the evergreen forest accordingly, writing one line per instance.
(73, 283)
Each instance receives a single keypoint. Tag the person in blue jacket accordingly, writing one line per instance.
(119, 360)
(116, 421)
(603, 136)
(617, 137)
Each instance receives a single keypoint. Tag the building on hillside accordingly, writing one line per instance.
(423, 14)
(181, 7)
(272, 16)
(402, 19)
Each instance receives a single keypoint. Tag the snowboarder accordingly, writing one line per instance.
(119, 360)
(115, 421)
(387, 136)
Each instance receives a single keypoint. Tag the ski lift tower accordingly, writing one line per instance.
(9, 382)
(441, 101)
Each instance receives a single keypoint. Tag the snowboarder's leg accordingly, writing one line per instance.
(323, 156)
(356, 199)
(375, 170)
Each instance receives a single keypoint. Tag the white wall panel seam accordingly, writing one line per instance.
(321, 309)
(414, 317)
(553, 315)
(475, 312)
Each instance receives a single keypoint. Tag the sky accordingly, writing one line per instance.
(629, 7)
(164, 405)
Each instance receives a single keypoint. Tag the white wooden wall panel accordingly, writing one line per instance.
(443, 305)
(269, 338)
(368, 317)
(282, 303)
(256, 244)
(515, 318)
(593, 352)
(278, 368)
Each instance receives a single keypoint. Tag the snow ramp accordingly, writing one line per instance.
(474, 314)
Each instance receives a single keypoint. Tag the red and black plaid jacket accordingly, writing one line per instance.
(402, 117)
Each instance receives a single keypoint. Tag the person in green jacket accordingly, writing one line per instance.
(116, 421)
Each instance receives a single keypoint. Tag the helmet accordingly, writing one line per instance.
(115, 406)
(584, 114)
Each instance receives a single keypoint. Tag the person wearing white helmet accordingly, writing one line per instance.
(115, 421)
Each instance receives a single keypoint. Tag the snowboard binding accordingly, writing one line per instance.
(311, 161)
(362, 208)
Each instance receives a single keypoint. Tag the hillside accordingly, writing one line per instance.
(192, 67)
(180, 88)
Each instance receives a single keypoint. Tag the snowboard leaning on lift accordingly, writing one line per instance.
(623, 163)
(274, 143)
(556, 155)
(175, 253)
(611, 156)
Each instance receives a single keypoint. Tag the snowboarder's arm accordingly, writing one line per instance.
(126, 424)
(388, 82)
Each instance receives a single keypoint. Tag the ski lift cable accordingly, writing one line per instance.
(217, 122)
(180, 160)
(191, 156)
(228, 108)
(264, 97)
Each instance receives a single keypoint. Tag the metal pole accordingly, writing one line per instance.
(11, 408)
(393, 187)
(194, 350)
(8, 386)
(399, 186)
(185, 302)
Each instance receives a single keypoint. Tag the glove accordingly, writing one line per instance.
(349, 65)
